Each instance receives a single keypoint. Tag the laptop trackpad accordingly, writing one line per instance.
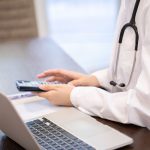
(77, 123)
(85, 128)
(88, 129)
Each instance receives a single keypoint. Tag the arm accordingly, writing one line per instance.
(132, 106)
(125, 107)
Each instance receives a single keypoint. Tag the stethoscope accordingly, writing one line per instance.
(132, 25)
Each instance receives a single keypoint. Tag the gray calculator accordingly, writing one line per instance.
(23, 85)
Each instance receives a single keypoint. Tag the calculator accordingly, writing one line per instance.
(33, 86)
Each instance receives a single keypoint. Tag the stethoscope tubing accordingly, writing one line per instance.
(132, 25)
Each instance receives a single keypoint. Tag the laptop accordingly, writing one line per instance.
(67, 129)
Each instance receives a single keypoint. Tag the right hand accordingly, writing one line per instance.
(63, 76)
(88, 80)
(70, 77)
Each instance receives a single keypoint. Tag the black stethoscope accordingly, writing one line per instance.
(132, 25)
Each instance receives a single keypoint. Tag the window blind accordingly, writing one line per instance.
(17, 20)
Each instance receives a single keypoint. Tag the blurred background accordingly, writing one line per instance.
(83, 28)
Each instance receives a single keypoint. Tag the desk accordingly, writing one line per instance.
(28, 58)
(24, 60)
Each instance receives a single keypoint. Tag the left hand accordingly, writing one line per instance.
(57, 94)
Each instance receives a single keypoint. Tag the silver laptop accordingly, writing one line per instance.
(67, 129)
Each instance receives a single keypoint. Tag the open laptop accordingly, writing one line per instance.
(67, 129)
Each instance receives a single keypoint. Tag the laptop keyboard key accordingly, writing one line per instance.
(50, 136)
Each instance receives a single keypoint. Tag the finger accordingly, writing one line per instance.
(54, 78)
(47, 73)
(54, 72)
(43, 94)
(48, 87)
(76, 83)
(42, 75)
(62, 73)
(70, 83)
(66, 74)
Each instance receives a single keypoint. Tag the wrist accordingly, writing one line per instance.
(95, 81)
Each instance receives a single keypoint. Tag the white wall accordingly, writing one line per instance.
(41, 17)
(84, 29)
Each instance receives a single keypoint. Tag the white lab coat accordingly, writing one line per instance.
(130, 105)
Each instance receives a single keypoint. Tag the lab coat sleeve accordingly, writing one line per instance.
(132, 106)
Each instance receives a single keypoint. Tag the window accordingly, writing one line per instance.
(84, 26)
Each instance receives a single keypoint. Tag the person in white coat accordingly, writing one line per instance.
(127, 80)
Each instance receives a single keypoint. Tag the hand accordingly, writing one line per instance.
(60, 75)
(57, 94)
(85, 81)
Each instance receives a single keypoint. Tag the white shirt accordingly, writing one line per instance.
(131, 105)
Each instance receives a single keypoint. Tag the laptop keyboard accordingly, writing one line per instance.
(52, 137)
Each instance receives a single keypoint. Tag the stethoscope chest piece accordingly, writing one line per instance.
(121, 85)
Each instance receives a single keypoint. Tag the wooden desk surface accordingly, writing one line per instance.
(23, 60)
